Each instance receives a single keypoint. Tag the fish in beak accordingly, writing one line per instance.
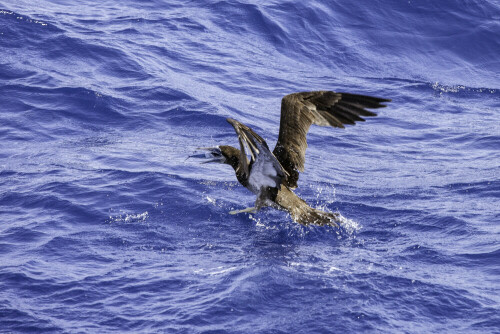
(211, 154)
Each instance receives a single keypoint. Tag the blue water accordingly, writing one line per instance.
(106, 227)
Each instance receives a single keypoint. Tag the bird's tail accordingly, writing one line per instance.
(318, 217)
(301, 212)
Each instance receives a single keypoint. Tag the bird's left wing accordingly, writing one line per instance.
(258, 151)
(325, 108)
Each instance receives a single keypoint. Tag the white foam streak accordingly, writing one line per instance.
(129, 218)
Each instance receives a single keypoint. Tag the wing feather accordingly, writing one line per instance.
(257, 148)
(325, 108)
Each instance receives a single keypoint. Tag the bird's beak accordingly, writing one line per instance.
(212, 154)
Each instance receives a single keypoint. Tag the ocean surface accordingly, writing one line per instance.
(105, 227)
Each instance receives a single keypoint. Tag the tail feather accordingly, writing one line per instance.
(317, 217)
(301, 212)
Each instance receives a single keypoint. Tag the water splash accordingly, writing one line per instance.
(348, 225)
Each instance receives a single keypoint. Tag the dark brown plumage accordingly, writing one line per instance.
(272, 176)
(324, 108)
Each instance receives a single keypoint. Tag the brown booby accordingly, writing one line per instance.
(273, 175)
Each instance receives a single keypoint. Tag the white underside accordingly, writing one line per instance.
(262, 175)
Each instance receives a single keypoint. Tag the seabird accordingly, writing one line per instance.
(272, 176)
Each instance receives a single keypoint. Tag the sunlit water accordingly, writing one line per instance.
(106, 227)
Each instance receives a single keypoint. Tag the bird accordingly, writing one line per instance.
(273, 175)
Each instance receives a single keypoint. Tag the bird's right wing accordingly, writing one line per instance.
(324, 108)
(263, 161)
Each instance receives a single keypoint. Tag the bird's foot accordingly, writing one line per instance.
(250, 210)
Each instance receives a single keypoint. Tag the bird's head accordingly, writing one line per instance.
(221, 154)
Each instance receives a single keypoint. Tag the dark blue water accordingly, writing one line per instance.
(105, 227)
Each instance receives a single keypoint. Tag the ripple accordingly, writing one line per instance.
(106, 227)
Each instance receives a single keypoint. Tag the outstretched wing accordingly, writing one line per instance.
(269, 169)
(325, 108)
